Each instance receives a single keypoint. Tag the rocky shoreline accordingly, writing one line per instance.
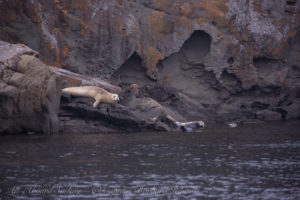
(29, 93)
(217, 61)
(31, 100)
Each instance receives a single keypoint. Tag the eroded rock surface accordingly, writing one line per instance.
(29, 92)
(216, 60)
(97, 37)
(133, 113)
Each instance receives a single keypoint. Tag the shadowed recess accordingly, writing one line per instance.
(197, 46)
(130, 72)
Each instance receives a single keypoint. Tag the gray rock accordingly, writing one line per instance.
(29, 93)
(268, 115)
(131, 114)
(214, 60)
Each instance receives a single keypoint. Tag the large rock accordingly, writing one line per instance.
(29, 92)
(97, 37)
(131, 114)
(220, 59)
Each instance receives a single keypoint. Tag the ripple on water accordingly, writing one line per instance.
(158, 168)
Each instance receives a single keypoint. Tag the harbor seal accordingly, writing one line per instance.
(99, 94)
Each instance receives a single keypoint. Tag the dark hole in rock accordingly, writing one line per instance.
(259, 106)
(213, 22)
(259, 61)
(285, 101)
(230, 82)
(244, 106)
(154, 75)
(281, 111)
(130, 72)
(269, 72)
(230, 60)
(292, 81)
(205, 105)
(291, 2)
(197, 46)
(289, 11)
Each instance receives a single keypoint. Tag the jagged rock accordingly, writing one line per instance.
(29, 93)
(132, 114)
(97, 37)
(216, 60)
(293, 110)
(268, 115)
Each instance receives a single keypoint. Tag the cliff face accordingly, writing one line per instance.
(221, 56)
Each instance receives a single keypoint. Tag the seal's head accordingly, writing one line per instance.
(115, 97)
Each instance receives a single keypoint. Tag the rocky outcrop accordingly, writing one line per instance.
(97, 37)
(216, 60)
(29, 92)
(133, 113)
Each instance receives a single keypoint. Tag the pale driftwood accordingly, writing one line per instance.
(86, 80)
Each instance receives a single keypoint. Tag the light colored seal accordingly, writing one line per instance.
(190, 126)
(99, 94)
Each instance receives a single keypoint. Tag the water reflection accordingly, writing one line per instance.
(244, 163)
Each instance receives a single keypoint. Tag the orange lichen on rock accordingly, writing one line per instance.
(186, 9)
(216, 11)
(292, 33)
(80, 5)
(220, 37)
(231, 49)
(139, 45)
(183, 21)
(83, 28)
(66, 52)
(120, 2)
(160, 4)
(156, 21)
(166, 80)
(279, 50)
(257, 6)
(152, 56)
(150, 60)
(71, 81)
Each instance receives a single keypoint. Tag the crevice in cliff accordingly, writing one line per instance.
(230, 60)
(196, 47)
(292, 81)
(130, 72)
(291, 7)
(291, 2)
(263, 60)
(230, 82)
(186, 79)
(270, 72)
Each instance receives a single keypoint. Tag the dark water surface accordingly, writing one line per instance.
(257, 161)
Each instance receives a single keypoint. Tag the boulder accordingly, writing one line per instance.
(29, 92)
(131, 114)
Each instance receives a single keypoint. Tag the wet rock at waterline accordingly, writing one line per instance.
(131, 114)
(211, 60)
(29, 92)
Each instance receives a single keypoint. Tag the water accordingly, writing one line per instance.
(257, 161)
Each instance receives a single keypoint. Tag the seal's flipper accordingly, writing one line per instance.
(96, 103)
